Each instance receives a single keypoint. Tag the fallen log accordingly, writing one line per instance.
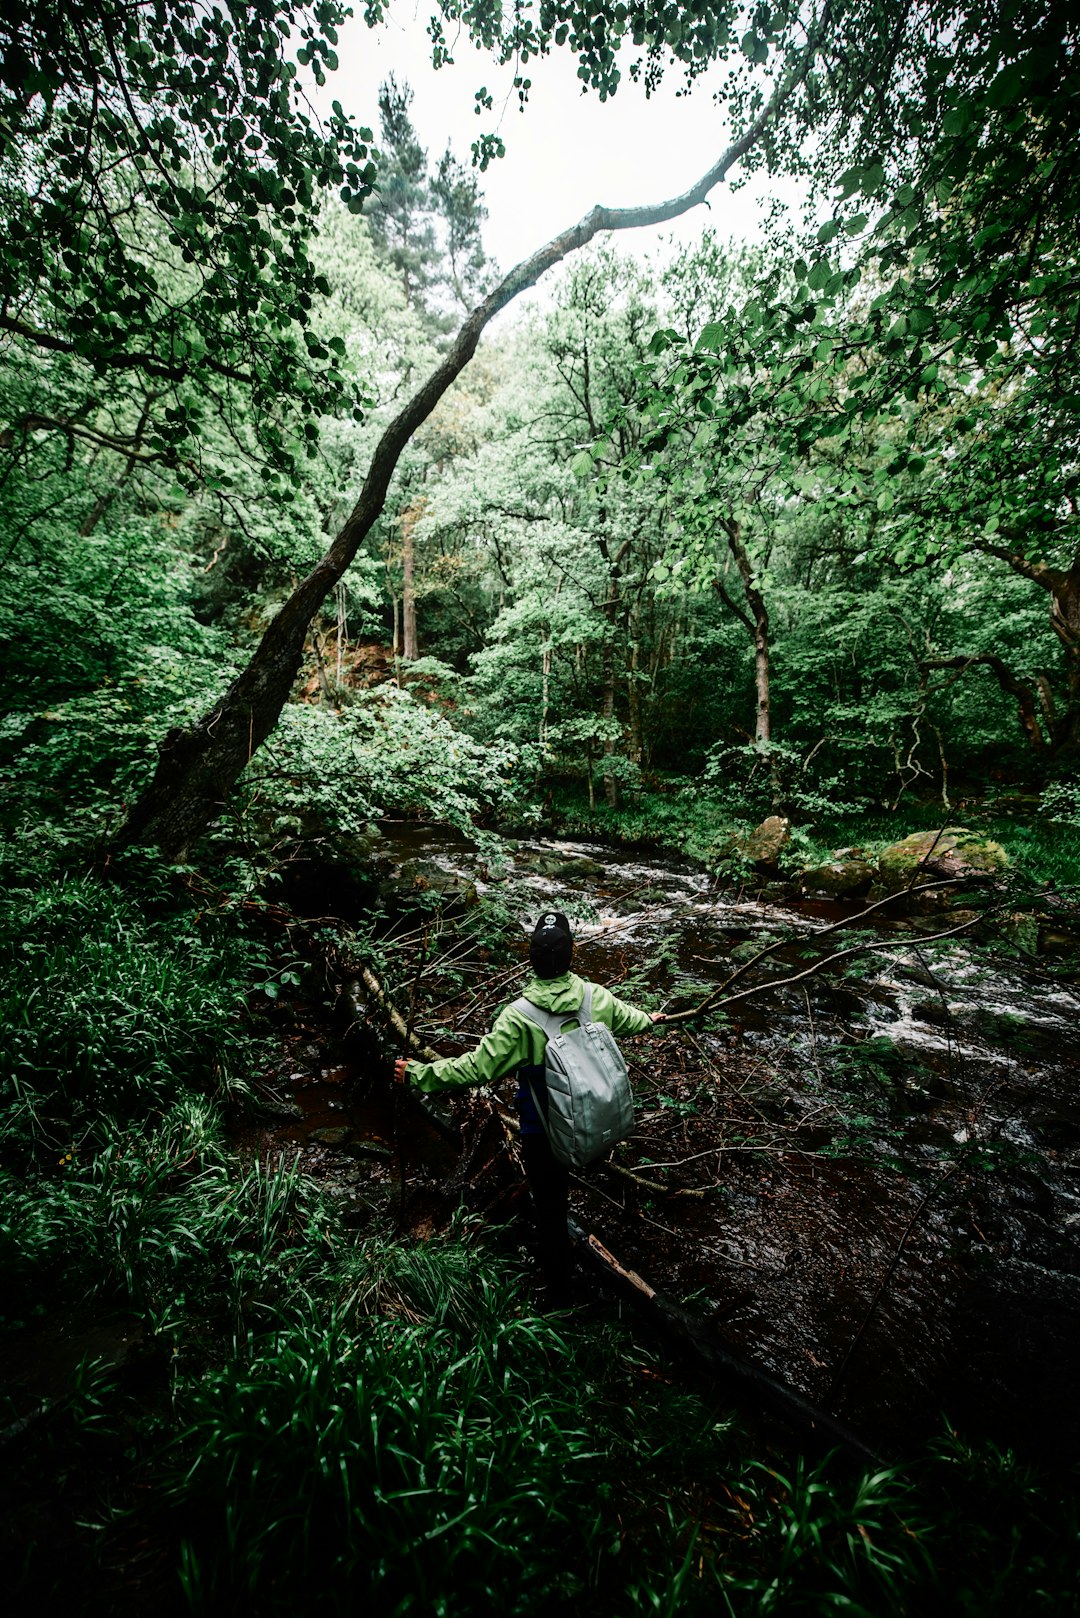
(377, 994)
(367, 986)
(691, 1336)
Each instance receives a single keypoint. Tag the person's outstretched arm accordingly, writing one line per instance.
(505, 1048)
(620, 1016)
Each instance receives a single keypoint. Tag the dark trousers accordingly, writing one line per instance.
(549, 1188)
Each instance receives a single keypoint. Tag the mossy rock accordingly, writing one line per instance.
(752, 946)
(846, 872)
(955, 852)
(767, 842)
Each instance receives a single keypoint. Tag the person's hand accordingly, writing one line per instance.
(658, 1016)
(401, 1067)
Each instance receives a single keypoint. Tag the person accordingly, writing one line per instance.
(516, 1045)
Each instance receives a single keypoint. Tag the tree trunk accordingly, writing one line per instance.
(607, 665)
(756, 623)
(198, 765)
(1063, 585)
(1065, 622)
(636, 746)
(607, 711)
(545, 695)
(1024, 694)
(408, 593)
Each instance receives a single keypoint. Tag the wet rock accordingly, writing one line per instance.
(752, 946)
(848, 871)
(271, 1107)
(932, 1011)
(954, 853)
(767, 842)
(565, 867)
(369, 1149)
(329, 1137)
(417, 876)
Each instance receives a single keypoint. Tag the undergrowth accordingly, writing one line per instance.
(319, 1418)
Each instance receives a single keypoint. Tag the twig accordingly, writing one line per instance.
(655, 1185)
(822, 932)
(714, 1001)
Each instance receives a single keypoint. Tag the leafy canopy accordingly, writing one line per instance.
(161, 170)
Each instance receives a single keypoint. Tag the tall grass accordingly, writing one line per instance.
(124, 1027)
(109, 1011)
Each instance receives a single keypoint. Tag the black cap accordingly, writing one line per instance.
(551, 946)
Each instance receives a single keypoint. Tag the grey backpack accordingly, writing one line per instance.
(589, 1102)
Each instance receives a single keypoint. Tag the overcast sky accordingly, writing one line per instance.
(566, 151)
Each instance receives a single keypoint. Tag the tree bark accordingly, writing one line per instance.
(408, 591)
(607, 664)
(633, 697)
(1025, 695)
(199, 765)
(756, 624)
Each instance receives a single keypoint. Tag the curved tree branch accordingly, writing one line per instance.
(1006, 679)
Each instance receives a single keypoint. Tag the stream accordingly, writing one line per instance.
(868, 1183)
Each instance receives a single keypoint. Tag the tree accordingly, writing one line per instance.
(413, 207)
(925, 370)
(400, 214)
(198, 765)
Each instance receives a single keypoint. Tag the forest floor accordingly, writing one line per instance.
(861, 1188)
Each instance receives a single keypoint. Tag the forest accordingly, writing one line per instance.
(362, 600)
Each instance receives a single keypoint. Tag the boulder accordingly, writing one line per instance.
(846, 872)
(767, 842)
(956, 852)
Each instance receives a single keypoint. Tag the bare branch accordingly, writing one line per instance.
(826, 932)
(716, 1001)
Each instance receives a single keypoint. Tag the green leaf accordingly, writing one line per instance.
(712, 337)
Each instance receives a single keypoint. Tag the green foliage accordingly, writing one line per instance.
(111, 1010)
(418, 1464)
(827, 1545)
(105, 650)
(385, 752)
(161, 176)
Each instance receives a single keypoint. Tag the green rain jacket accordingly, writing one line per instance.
(516, 1042)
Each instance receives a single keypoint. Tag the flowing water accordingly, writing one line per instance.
(870, 1181)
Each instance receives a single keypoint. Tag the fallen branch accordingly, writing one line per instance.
(825, 932)
(715, 1002)
(378, 995)
(654, 1185)
(692, 1335)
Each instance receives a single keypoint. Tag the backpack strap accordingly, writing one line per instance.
(547, 1021)
(551, 1022)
